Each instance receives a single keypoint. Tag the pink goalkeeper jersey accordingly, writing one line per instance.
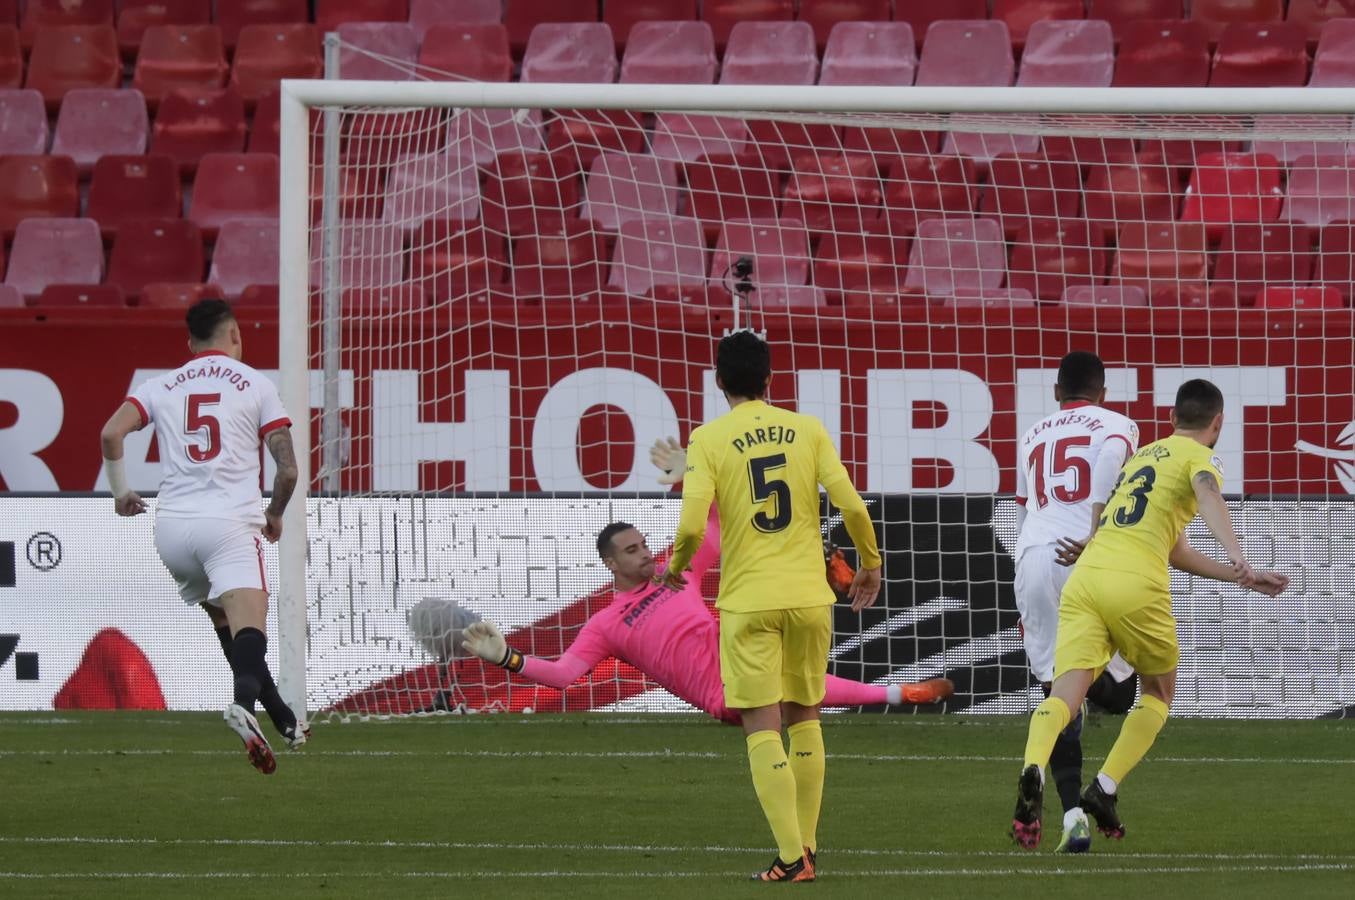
(669, 635)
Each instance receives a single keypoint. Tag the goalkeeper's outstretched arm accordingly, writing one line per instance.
(485, 640)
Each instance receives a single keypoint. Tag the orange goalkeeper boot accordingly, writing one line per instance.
(932, 691)
(800, 870)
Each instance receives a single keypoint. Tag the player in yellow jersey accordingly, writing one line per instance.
(1118, 598)
(763, 466)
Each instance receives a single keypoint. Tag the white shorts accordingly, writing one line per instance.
(209, 557)
(1039, 582)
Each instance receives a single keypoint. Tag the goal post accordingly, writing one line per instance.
(532, 278)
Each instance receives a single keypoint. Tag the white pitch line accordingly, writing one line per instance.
(556, 873)
(661, 754)
(77, 840)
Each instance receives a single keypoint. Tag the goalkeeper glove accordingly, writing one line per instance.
(484, 640)
(668, 455)
(840, 572)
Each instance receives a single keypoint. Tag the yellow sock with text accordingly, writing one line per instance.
(807, 765)
(1137, 734)
(1049, 718)
(775, 787)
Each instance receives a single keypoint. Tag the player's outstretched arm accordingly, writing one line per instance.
(485, 640)
(125, 419)
(284, 482)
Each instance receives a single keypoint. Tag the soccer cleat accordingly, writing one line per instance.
(256, 745)
(811, 862)
(1029, 808)
(932, 691)
(800, 870)
(297, 735)
(1077, 833)
(1101, 807)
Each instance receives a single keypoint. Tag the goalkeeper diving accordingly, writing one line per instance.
(669, 633)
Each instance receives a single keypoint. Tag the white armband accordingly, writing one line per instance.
(117, 478)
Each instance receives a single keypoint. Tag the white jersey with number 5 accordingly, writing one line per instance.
(210, 416)
(1057, 476)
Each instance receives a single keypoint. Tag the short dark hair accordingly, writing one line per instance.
(1197, 403)
(1082, 374)
(206, 316)
(605, 537)
(744, 363)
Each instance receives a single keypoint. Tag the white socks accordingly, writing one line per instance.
(1072, 817)
(1107, 783)
(894, 694)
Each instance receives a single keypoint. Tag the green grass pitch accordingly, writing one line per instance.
(165, 805)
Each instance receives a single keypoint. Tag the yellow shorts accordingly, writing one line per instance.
(1101, 611)
(775, 655)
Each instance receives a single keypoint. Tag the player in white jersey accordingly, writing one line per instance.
(1067, 464)
(211, 416)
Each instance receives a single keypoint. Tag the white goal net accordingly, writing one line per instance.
(507, 292)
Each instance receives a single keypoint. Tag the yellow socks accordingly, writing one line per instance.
(807, 764)
(775, 787)
(1049, 718)
(1137, 734)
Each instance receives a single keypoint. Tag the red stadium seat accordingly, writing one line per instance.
(259, 296)
(770, 53)
(725, 15)
(522, 16)
(438, 186)
(1034, 188)
(1299, 296)
(1130, 190)
(526, 192)
(78, 296)
(1334, 64)
(55, 251)
(424, 14)
(1321, 191)
(176, 295)
(125, 188)
(660, 257)
(1079, 53)
(10, 296)
(73, 56)
(1335, 265)
(150, 250)
(370, 255)
(235, 15)
(234, 186)
(360, 192)
(246, 253)
(824, 15)
(1313, 15)
(268, 53)
(927, 186)
(920, 14)
(461, 52)
(331, 14)
(37, 187)
(1216, 15)
(1052, 255)
(1105, 295)
(991, 298)
(956, 256)
(623, 187)
(623, 17)
(1122, 12)
(563, 265)
(363, 41)
(265, 134)
(1272, 54)
(833, 192)
(95, 122)
(11, 58)
(451, 260)
(180, 56)
(191, 124)
(725, 187)
(669, 53)
(135, 16)
(976, 54)
(866, 265)
(685, 138)
(779, 249)
(1165, 259)
(1162, 54)
(57, 13)
(1234, 187)
(1020, 15)
(1252, 256)
(23, 123)
(570, 52)
(489, 133)
(870, 53)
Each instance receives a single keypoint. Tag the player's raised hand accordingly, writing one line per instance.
(671, 579)
(483, 639)
(667, 454)
(1067, 551)
(272, 527)
(129, 504)
(865, 588)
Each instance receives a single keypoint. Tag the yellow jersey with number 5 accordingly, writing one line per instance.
(1153, 502)
(762, 465)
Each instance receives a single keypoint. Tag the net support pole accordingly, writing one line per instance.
(331, 442)
(294, 375)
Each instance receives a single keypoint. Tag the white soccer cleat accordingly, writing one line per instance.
(297, 737)
(256, 745)
(1077, 833)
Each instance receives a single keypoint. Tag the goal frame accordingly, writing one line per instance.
(298, 97)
